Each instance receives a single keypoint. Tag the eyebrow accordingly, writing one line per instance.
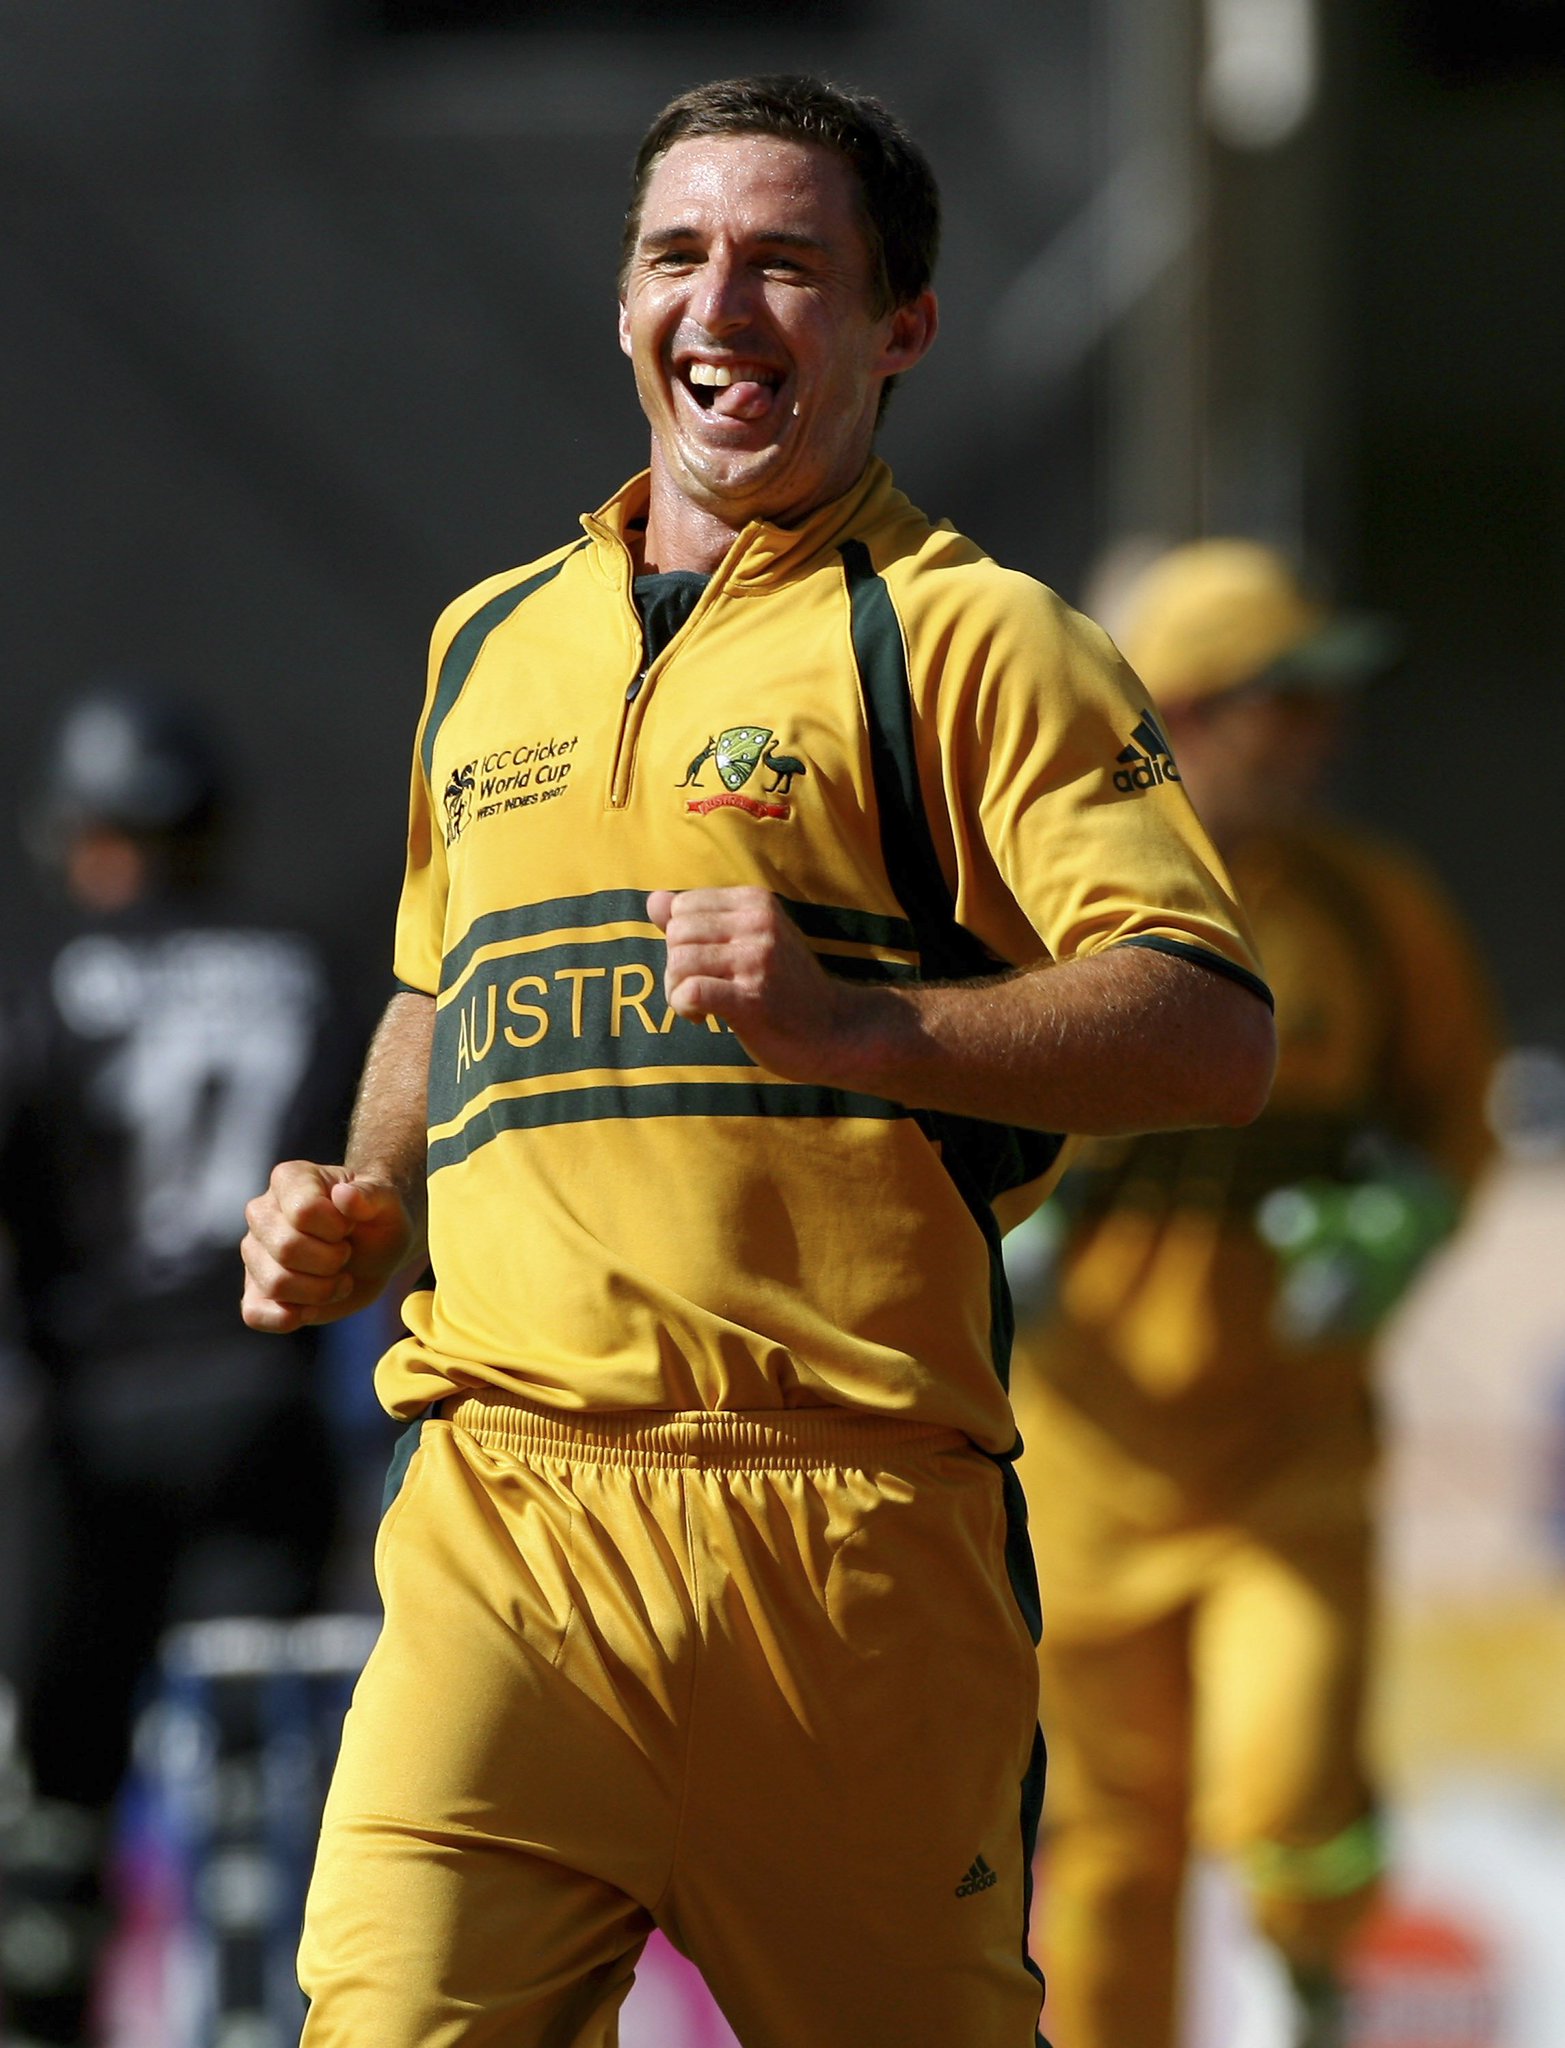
(780, 238)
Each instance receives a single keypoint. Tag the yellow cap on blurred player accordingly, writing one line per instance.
(1220, 615)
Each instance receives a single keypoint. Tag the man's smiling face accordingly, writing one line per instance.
(749, 316)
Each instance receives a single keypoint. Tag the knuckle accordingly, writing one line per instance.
(257, 1312)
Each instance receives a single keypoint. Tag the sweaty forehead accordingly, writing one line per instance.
(750, 184)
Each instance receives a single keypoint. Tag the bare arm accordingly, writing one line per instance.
(323, 1241)
(1125, 1040)
(388, 1135)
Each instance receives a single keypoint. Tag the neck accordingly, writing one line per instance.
(684, 533)
(681, 534)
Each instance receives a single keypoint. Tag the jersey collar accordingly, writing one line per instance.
(762, 555)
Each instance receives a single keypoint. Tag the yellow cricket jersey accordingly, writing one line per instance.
(1161, 1392)
(940, 770)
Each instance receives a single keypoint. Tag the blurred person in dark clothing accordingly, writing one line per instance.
(1195, 1399)
(154, 1058)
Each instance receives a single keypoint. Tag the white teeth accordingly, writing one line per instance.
(720, 375)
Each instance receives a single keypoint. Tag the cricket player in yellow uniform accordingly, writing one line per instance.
(771, 907)
(1196, 1408)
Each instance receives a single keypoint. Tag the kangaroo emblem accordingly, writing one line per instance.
(693, 772)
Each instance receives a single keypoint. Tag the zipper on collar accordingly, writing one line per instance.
(634, 690)
(631, 713)
(637, 693)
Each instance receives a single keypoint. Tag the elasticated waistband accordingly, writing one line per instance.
(787, 1439)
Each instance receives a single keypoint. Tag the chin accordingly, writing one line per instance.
(721, 477)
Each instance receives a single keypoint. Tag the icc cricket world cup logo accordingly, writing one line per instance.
(459, 800)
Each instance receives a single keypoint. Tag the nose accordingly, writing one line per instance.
(723, 298)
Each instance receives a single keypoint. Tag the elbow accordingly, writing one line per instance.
(1245, 1073)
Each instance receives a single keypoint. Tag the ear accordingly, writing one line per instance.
(624, 328)
(911, 332)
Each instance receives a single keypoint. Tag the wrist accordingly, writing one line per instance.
(873, 1034)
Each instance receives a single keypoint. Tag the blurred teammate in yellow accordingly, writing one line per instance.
(1195, 1400)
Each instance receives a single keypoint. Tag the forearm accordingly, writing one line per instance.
(1130, 1039)
(1123, 1041)
(388, 1135)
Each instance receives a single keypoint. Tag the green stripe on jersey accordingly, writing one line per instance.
(580, 1005)
(629, 906)
(907, 843)
(467, 645)
(739, 1097)
(983, 1159)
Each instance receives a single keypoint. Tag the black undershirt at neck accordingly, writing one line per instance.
(665, 600)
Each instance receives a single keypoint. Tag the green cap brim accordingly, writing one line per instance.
(1354, 647)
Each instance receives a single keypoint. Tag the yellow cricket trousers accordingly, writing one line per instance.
(760, 1680)
(1232, 1722)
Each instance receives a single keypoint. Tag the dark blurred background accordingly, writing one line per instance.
(306, 323)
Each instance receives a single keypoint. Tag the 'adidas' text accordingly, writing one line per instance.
(978, 1879)
(1147, 761)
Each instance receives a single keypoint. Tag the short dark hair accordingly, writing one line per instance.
(900, 199)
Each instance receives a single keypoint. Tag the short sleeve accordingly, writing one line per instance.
(1069, 828)
(421, 913)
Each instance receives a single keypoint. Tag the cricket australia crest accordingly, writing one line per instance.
(737, 753)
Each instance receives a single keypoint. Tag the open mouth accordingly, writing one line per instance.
(734, 391)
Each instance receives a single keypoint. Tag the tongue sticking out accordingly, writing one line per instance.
(744, 401)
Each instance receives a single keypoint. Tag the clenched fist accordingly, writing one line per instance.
(735, 954)
(321, 1244)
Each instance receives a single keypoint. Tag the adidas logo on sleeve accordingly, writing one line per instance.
(978, 1879)
(1147, 761)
